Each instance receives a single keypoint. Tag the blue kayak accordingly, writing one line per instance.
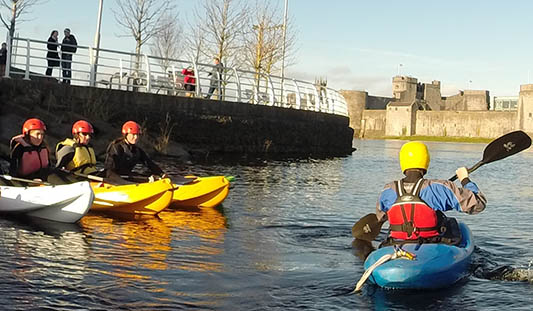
(435, 265)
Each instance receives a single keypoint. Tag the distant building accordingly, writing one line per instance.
(505, 103)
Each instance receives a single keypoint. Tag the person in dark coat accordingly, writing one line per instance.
(123, 154)
(68, 47)
(52, 56)
(3, 59)
(216, 79)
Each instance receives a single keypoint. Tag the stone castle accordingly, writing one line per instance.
(419, 109)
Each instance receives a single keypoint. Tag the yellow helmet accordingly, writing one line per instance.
(414, 154)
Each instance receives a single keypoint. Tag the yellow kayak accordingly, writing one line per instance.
(145, 198)
(201, 192)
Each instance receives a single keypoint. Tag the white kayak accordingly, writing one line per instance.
(63, 203)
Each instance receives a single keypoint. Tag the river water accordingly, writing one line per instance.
(281, 241)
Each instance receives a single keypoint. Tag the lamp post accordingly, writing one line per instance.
(399, 65)
(284, 47)
(97, 40)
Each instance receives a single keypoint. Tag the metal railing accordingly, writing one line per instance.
(125, 71)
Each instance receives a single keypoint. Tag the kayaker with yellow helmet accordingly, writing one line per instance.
(29, 153)
(76, 154)
(123, 154)
(414, 205)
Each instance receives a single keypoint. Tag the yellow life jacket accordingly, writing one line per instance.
(84, 159)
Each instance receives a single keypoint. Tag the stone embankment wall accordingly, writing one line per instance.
(207, 126)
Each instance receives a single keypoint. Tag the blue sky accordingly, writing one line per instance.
(359, 44)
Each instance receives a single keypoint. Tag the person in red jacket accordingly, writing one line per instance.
(189, 81)
(29, 153)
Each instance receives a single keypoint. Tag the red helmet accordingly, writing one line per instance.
(33, 124)
(82, 126)
(131, 127)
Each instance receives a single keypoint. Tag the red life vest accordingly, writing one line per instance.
(33, 158)
(410, 217)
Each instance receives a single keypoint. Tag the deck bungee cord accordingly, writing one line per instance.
(398, 253)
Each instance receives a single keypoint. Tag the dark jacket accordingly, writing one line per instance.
(52, 54)
(121, 157)
(3, 56)
(70, 48)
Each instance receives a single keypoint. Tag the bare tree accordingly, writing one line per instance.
(195, 43)
(17, 9)
(263, 48)
(220, 29)
(142, 19)
(167, 44)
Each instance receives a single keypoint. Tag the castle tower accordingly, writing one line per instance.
(356, 101)
(525, 108)
(404, 88)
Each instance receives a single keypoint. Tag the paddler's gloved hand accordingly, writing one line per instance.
(152, 178)
(462, 175)
(164, 176)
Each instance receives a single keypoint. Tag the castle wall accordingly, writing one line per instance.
(488, 124)
(373, 123)
(401, 120)
(476, 100)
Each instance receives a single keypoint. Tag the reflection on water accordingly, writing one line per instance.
(40, 259)
(147, 241)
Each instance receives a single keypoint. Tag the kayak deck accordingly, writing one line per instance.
(435, 266)
(201, 192)
(61, 203)
(147, 198)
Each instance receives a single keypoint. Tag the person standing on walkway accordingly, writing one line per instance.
(68, 47)
(189, 81)
(216, 79)
(3, 59)
(52, 56)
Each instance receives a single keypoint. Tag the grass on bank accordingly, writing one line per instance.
(440, 138)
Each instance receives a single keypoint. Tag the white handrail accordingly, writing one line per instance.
(235, 84)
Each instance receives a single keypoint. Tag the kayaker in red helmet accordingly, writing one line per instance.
(29, 153)
(123, 154)
(414, 205)
(76, 154)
